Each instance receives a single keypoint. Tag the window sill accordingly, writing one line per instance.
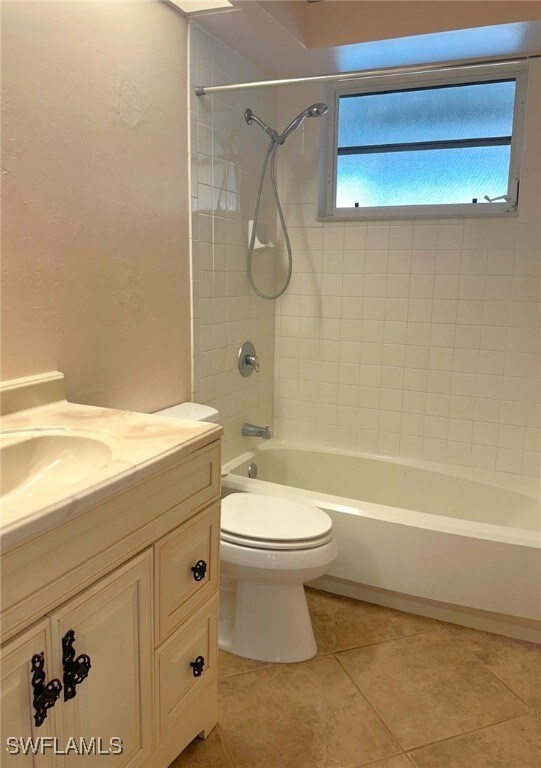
(479, 211)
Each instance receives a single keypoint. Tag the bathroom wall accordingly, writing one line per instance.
(226, 158)
(413, 338)
(95, 262)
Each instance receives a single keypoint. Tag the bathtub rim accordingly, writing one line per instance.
(524, 485)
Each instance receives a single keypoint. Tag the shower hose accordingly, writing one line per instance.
(271, 153)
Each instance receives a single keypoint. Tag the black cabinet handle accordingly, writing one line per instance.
(75, 669)
(197, 666)
(199, 570)
(45, 694)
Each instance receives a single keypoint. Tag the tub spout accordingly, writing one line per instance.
(251, 430)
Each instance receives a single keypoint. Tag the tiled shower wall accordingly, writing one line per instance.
(413, 338)
(226, 156)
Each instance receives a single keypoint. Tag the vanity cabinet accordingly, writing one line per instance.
(145, 631)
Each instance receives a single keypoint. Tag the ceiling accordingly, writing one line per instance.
(292, 38)
(342, 22)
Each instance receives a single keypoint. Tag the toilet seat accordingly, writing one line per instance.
(272, 523)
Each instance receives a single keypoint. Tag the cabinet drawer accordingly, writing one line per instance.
(176, 685)
(179, 589)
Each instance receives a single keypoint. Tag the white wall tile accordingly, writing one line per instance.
(414, 338)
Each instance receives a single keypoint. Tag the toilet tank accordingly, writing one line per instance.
(191, 411)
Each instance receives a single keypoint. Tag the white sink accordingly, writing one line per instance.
(35, 461)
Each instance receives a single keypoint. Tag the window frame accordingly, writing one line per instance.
(327, 210)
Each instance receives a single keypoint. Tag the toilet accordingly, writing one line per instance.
(270, 547)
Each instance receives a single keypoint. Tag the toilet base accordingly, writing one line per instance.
(266, 622)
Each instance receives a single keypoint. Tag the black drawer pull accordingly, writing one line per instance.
(197, 666)
(199, 570)
(45, 694)
(75, 669)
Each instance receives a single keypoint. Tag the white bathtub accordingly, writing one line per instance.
(453, 543)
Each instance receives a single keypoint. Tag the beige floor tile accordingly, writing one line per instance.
(515, 662)
(427, 688)
(514, 744)
(345, 623)
(229, 664)
(399, 761)
(306, 715)
(204, 753)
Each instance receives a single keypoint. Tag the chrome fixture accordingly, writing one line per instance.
(276, 140)
(363, 74)
(251, 118)
(252, 470)
(251, 430)
(247, 359)
(315, 110)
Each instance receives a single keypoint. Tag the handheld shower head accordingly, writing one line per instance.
(314, 110)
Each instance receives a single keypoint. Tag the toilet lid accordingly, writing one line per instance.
(251, 519)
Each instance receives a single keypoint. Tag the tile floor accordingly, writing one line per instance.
(387, 690)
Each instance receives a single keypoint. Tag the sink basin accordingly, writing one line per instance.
(36, 461)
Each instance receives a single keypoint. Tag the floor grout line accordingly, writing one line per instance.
(385, 640)
(226, 751)
(498, 678)
(455, 736)
(371, 706)
(467, 733)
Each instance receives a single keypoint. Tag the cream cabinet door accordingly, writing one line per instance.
(17, 702)
(112, 624)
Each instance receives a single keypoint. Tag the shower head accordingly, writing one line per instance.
(314, 110)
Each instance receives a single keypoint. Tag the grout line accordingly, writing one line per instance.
(228, 757)
(380, 759)
(487, 666)
(498, 678)
(384, 640)
(370, 705)
(268, 665)
(487, 725)
(467, 733)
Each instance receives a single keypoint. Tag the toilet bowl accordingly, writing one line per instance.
(270, 547)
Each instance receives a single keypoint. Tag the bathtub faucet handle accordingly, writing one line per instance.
(253, 360)
(247, 359)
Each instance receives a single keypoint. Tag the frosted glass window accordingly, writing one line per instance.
(443, 145)
(430, 177)
(480, 110)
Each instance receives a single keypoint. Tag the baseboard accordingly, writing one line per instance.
(500, 624)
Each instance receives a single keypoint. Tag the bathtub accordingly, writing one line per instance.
(452, 543)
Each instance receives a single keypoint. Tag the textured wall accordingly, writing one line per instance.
(415, 338)
(95, 260)
(226, 158)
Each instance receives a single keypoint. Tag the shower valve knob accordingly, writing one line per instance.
(253, 361)
(248, 361)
